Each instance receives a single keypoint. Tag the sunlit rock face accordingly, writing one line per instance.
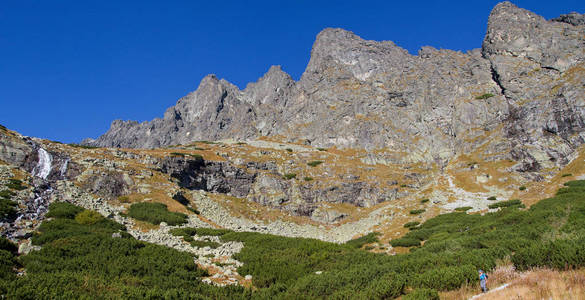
(519, 97)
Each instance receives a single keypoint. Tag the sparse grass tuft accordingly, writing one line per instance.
(485, 96)
(566, 175)
(423, 201)
(405, 242)
(492, 198)
(207, 142)
(289, 149)
(509, 203)
(417, 211)
(463, 208)
(315, 163)
(195, 156)
(82, 146)
(15, 184)
(212, 231)
(308, 178)
(289, 176)
(411, 225)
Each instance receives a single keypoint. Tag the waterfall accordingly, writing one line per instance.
(43, 168)
(63, 168)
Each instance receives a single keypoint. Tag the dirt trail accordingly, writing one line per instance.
(501, 287)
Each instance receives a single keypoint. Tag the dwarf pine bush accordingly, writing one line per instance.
(79, 260)
(155, 213)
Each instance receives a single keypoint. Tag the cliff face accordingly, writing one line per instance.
(519, 97)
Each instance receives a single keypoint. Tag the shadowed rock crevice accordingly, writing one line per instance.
(210, 176)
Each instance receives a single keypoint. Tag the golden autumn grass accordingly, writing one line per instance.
(533, 284)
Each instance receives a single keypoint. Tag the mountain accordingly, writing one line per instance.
(437, 163)
(519, 97)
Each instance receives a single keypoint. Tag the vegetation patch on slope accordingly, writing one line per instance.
(155, 213)
(84, 259)
(101, 261)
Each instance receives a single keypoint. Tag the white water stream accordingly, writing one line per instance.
(43, 168)
(63, 168)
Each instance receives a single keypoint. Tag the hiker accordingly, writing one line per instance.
(483, 277)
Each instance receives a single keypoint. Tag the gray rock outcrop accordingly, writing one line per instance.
(519, 97)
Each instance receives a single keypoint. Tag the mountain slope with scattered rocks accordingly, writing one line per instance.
(519, 97)
(371, 137)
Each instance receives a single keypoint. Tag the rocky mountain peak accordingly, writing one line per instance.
(573, 18)
(516, 32)
(339, 51)
(519, 98)
(270, 88)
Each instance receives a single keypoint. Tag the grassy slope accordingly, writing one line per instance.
(84, 260)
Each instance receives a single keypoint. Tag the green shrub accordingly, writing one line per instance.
(558, 254)
(322, 149)
(63, 210)
(417, 211)
(308, 178)
(81, 146)
(7, 208)
(88, 217)
(78, 261)
(522, 188)
(492, 198)
(315, 163)
(485, 96)
(463, 208)
(15, 184)
(207, 142)
(7, 264)
(195, 156)
(445, 278)
(423, 201)
(411, 225)
(289, 149)
(185, 231)
(82, 261)
(422, 294)
(369, 238)
(567, 175)
(289, 176)
(212, 231)
(405, 242)
(7, 245)
(7, 194)
(193, 210)
(155, 213)
(508, 203)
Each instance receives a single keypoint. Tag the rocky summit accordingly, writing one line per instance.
(519, 97)
(370, 139)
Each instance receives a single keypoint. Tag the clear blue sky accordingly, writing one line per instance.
(68, 68)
